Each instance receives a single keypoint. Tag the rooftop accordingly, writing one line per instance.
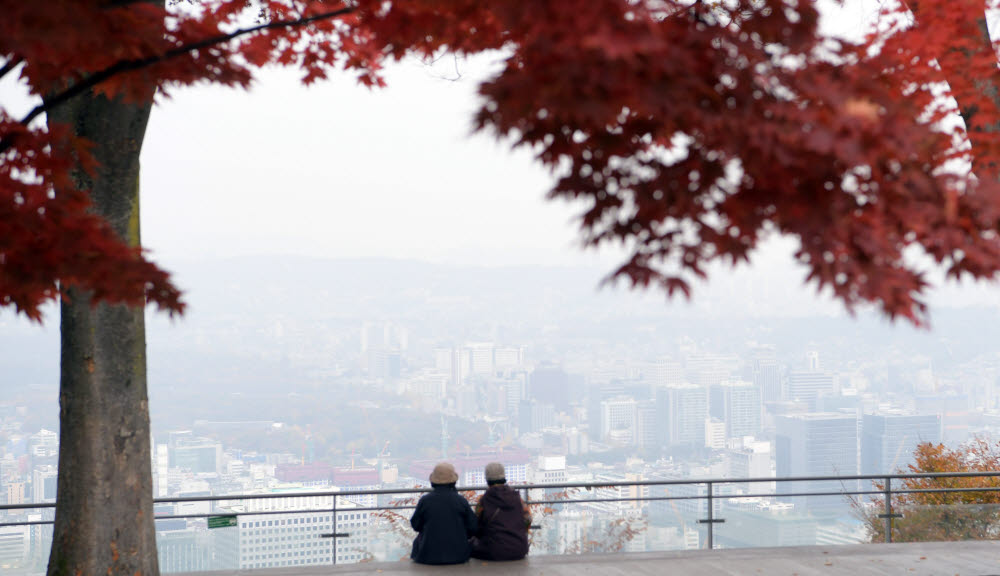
(921, 559)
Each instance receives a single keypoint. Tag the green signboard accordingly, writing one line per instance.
(221, 521)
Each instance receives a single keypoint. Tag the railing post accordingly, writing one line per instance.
(711, 518)
(527, 502)
(887, 514)
(335, 532)
(887, 494)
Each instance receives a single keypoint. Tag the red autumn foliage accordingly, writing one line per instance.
(689, 130)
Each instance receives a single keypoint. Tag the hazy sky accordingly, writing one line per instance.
(340, 171)
(337, 170)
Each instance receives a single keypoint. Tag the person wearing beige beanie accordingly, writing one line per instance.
(443, 520)
(444, 473)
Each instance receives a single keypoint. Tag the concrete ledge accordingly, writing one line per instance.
(924, 559)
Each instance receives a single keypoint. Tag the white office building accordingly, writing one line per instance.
(296, 538)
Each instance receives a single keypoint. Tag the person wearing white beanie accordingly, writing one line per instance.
(504, 519)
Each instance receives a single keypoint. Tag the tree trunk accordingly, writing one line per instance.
(104, 511)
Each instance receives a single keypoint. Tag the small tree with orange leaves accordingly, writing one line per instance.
(943, 516)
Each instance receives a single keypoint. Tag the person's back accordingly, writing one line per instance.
(444, 522)
(503, 520)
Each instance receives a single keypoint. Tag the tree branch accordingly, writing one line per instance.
(139, 63)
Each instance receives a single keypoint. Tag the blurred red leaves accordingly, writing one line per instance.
(688, 130)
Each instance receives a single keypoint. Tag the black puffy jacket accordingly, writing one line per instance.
(444, 522)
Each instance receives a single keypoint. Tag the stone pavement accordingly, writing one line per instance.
(925, 559)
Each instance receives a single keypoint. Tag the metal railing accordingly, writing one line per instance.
(710, 495)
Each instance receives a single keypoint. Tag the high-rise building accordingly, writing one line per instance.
(383, 335)
(458, 368)
(738, 405)
(618, 420)
(429, 386)
(807, 386)
(183, 548)
(44, 443)
(514, 386)
(15, 545)
(817, 444)
(889, 440)
(43, 484)
(598, 392)
(681, 411)
(9, 468)
(550, 383)
(382, 348)
(752, 460)
(549, 469)
(766, 374)
(442, 359)
(294, 539)
(645, 425)
(15, 493)
(715, 433)
(508, 357)
(665, 372)
(533, 416)
(161, 470)
(480, 357)
(199, 456)
(812, 361)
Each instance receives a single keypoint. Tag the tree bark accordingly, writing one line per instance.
(104, 510)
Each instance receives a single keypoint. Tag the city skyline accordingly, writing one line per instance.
(688, 390)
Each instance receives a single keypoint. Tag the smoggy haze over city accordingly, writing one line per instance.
(352, 255)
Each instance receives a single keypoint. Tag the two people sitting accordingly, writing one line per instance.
(449, 532)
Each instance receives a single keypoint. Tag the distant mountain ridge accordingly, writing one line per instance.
(263, 318)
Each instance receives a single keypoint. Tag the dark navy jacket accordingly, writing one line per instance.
(444, 522)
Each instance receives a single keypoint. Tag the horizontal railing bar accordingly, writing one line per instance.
(585, 485)
(944, 490)
(285, 512)
(324, 494)
(798, 494)
(30, 506)
(631, 499)
(26, 523)
(376, 508)
(704, 497)
(237, 513)
(778, 479)
(589, 486)
(547, 502)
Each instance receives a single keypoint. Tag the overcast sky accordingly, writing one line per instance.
(337, 170)
(340, 171)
